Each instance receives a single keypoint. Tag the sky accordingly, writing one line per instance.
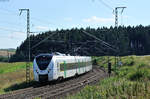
(65, 14)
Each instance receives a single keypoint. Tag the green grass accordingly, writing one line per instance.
(11, 67)
(132, 80)
(12, 76)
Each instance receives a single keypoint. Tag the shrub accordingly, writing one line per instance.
(3, 59)
(129, 62)
(142, 64)
(136, 75)
(139, 75)
(114, 88)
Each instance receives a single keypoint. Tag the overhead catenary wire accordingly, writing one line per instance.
(103, 42)
(46, 22)
(6, 11)
(42, 21)
(111, 2)
(33, 18)
(13, 24)
(11, 12)
(11, 30)
(106, 5)
(43, 40)
(16, 24)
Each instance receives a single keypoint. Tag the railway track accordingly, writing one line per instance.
(57, 90)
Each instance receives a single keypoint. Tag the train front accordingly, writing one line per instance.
(43, 67)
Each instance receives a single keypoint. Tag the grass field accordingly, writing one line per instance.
(12, 76)
(11, 67)
(132, 81)
(5, 53)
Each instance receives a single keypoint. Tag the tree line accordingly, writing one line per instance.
(130, 40)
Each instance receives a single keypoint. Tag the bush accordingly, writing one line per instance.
(114, 88)
(122, 72)
(142, 64)
(139, 75)
(136, 75)
(3, 59)
(17, 58)
(130, 80)
(129, 62)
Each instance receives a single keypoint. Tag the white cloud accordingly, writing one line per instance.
(12, 33)
(42, 28)
(18, 35)
(95, 19)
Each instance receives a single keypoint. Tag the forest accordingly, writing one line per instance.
(126, 40)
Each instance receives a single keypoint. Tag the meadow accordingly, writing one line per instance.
(12, 76)
(131, 81)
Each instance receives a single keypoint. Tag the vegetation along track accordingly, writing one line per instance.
(57, 90)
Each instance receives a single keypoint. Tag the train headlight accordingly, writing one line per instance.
(49, 70)
(37, 71)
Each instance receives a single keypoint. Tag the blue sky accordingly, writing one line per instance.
(62, 14)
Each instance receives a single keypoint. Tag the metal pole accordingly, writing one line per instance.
(116, 25)
(28, 38)
(8, 55)
(115, 63)
(116, 14)
(28, 30)
(116, 17)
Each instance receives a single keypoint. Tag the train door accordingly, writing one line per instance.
(58, 69)
(51, 71)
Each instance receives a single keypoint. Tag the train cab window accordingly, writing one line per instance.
(43, 61)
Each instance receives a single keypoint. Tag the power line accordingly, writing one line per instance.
(11, 30)
(110, 2)
(11, 23)
(10, 11)
(43, 40)
(41, 21)
(33, 18)
(106, 5)
(45, 22)
(103, 42)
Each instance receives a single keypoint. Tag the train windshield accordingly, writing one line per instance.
(43, 61)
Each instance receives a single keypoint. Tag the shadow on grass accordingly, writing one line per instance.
(35, 84)
(24, 85)
(20, 86)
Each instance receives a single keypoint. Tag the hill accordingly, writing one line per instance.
(127, 40)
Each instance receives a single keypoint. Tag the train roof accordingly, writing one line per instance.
(59, 55)
(44, 54)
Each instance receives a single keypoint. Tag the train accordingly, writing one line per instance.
(57, 66)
